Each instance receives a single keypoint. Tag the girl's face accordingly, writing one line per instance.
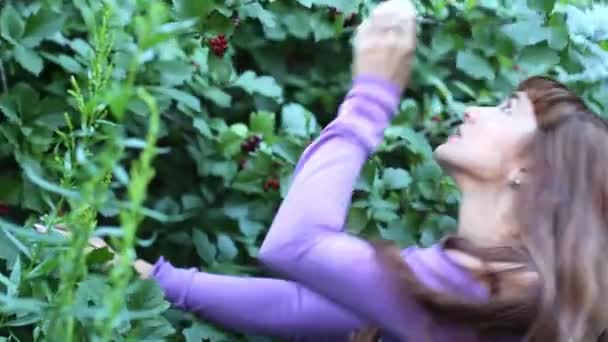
(487, 145)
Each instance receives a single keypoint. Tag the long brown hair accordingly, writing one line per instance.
(562, 213)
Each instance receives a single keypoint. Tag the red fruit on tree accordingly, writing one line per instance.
(251, 144)
(272, 184)
(219, 45)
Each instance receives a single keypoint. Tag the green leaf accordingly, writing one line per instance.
(384, 215)
(250, 228)
(558, 33)
(537, 59)
(442, 43)
(255, 10)
(263, 85)
(367, 176)
(527, 31)
(399, 231)
(203, 332)
(262, 122)
(44, 268)
(297, 24)
(11, 24)
(15, 278)
(99, 256)
(288, 150)
(227, 248)
(221, 69)
(90, 291)
(42, 25)
(204, 248)
(416, 142)
(193, 8)
(28, 59)
(180, 96)
(201, 125)
(218, 96)
(66, 62)
(145, 299)
(474, 65)
(296, 120)
(345, 6)
(396, 178)
(173, 73)
(321, 28)
(542, 5)
(357, 220)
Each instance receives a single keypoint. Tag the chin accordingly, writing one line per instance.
(447, 159)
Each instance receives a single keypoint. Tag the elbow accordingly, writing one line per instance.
(269, 253)
(281, 252)
(265, 254)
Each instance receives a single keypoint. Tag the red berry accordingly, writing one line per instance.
(251, 144)
(4, 209)
(436, 118)
(219, 45)
(272, 183)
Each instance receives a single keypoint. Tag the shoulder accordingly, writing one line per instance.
(442, 271)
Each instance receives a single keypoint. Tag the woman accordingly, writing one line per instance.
(527, 263)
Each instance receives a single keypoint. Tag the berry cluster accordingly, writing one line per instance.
(251, 144)
(219, 45)
(271, 184)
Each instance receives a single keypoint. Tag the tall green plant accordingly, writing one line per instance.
(172, 128)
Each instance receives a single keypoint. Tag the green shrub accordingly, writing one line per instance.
(172, 128)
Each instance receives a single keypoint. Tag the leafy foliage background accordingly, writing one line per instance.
(118, 120)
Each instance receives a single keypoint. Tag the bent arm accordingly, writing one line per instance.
(306, 242)
(261, 306)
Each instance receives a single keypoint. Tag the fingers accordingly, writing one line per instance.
(143, 268)
(94, 242)
(385, 42)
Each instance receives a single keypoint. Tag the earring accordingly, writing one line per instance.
(515, 183)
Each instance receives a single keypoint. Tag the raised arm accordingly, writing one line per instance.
(306, 242)
(260, 306)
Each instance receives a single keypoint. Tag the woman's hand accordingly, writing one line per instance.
(386, 41)
(142, 267)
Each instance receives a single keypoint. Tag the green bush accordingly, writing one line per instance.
(172, 128)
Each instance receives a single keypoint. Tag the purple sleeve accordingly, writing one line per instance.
(306, 242)
(261, 306)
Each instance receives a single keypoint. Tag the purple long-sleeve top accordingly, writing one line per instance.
(335, 283)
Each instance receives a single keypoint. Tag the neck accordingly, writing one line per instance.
(485, 214)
